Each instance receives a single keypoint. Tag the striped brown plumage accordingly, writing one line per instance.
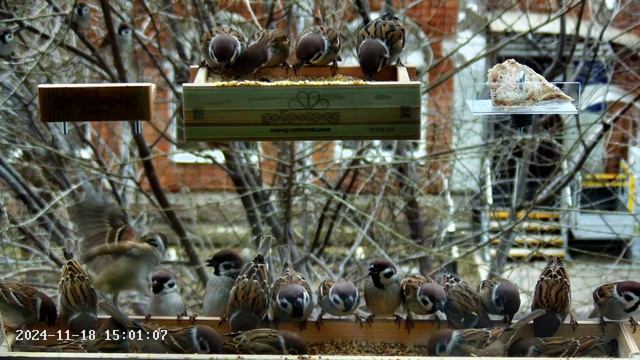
(553, 294)
(78, 299)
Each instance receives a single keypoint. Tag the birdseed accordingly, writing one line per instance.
(366, 348)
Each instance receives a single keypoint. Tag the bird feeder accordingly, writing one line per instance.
(382, 331)
(309, 105)
(96, 102)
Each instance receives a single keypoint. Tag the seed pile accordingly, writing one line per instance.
(367, 348)
(338, 79)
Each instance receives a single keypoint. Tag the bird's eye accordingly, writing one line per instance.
(442, 348)
(171, 284)
(9, 37)
(284, 304)
(85, 10)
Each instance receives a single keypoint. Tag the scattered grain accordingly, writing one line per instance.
(367, 348)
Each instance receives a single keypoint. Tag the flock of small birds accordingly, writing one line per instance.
(380, 43)
(115, 258)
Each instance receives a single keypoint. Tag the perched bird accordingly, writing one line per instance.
(616, 301)
(7, 45)
(165, 300)
(563, 347)
(338, 298)
(81, 15)
(194, 339)
(290, 298)
(23, 305)
(380, 43)
(493, 342)
(463, 306)
(382, 289)
(421, 296)
(318, 45)
(120, 258)
(267, 48)
(249, 296)
(266, 342)
(226, 266)
(221, 47)
(500, 297)
(552, 293)
(78, 299)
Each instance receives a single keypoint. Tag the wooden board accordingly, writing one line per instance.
(96, 102)
(383, 330)
(384, 109)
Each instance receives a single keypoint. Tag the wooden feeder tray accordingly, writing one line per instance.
(332, 330)
(322, 108)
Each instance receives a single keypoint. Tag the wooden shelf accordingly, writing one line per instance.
(383, 330)
(388, 108)
(96, 102)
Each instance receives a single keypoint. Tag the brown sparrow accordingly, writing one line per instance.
(500, 297)
(290, 298)
(463, 306)
(266, 342)
(382, 290)
(221, 47)
(318, 45)
(165, 300)
(7, 44)
(338, 298)
(267, 48)
(198, 339)
(562, 347)
(249, 296)
(552, 293)
(78, 300)
(421, 296)
(478, 342)
(23, 305)
(111, 248)
(380, 43)
(616, 301)
(226, 266)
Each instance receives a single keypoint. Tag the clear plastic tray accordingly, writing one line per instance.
(482, 105)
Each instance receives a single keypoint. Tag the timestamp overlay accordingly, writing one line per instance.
(90, 335)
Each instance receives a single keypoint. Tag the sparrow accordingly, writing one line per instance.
(165, 300)
(552, 293)
(616, 301)
(192, 339)
(318, 45)
(23, 305)
(249, 296)
(221, 47)
(78, 299)
(7, 45)
(119, 257)
(267, 48)
(338, 298)
(133, 262)
(382, 289)
(290, 298)
(500, 297)
(563, 347)
(266, 342)
(421, 296)
(81, 15)
(463, 306)
(493, 342)
(226, 266)
(380, 43)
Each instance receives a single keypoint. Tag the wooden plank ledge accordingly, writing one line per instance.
(96, 102)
